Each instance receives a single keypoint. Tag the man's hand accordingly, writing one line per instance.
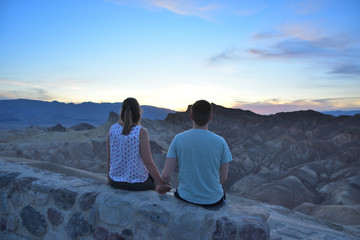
(162, 188)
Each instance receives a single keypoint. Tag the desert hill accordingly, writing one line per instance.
(304, 160)
(21, 113)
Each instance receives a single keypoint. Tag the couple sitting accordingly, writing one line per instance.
(203, 157)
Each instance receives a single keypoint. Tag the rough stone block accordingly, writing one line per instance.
(118, 236)
(101, 234)
(41, 187)
(127, 233)
(54, 235)
(115, 211)
(4, 208)
(33, 221)
(55, 217)
(92, 216)
(22, 184)
(38, 198)
(12, 223)
(225, 229)
(155, 214)
(3, 222)
(64, 198)
(188, 226)
(255, 229)
(18, 199)
(7, 178)
(77, 226)
(87, 200)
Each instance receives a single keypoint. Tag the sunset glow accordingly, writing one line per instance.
(267, 58)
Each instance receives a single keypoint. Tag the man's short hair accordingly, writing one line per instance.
(201, 112)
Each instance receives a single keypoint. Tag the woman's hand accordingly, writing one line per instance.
(162, 188)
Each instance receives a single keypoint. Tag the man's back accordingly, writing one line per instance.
(200, 154)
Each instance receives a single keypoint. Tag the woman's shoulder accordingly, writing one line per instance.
(141, 129)
(115, 126)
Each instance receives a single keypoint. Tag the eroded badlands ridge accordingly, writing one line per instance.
(302, 160)
(39, 204)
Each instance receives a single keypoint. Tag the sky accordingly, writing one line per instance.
(264, 56)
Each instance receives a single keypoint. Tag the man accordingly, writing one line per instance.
(203, 159)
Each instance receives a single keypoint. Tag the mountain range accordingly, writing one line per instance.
(304, 160)
(22, 113)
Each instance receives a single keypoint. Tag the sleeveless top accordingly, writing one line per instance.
(126, 164)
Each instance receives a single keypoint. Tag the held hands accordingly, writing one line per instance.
(162, 188)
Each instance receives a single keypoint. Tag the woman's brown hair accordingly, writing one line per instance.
(130, 114)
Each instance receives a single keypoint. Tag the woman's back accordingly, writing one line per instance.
(126, 164)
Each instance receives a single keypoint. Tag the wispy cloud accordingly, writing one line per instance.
(200, 8)
(15, 89)
(347, 69)
(307, 6)
(271, 106)
(302, 42)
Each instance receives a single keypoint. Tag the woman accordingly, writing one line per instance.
(130, 164)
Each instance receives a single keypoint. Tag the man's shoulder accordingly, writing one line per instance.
(214, 135)
(182, 134)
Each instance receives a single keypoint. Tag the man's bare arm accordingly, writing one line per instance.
(169, 167)
(224, 169)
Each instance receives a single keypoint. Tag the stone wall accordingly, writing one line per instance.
(39, 204)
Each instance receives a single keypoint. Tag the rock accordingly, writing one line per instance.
(225, 230)
(188, 227)
(87, 200)
(64, 198)
(22, 184)
(128, 233)
(54, 235)
(4, 207)
(77, 226)
(115, 211)
(148, 215)
(343, 214)
(118, 236)
(82, 127)
(57, 128)
(7, 178)
(55, 217)
(33, 221)
(279, 193)
(255, 229)
(101, 234)
(154, 213)
(3, 223)
(38, 198)
(12, 223)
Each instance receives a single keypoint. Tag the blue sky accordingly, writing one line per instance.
(264, 56)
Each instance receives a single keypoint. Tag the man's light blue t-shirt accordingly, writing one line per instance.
(199, 154)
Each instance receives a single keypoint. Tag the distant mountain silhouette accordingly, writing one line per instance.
(339, 112)
(23, 113)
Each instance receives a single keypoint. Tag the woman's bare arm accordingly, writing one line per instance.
(145, 153)
(108, 156)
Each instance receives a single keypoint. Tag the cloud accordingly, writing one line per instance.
(204, 9)
(272, 106)
(199, 8)
(15, 89)
(305, 7)
(229, 54)
(347, 69)
(302, 42)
